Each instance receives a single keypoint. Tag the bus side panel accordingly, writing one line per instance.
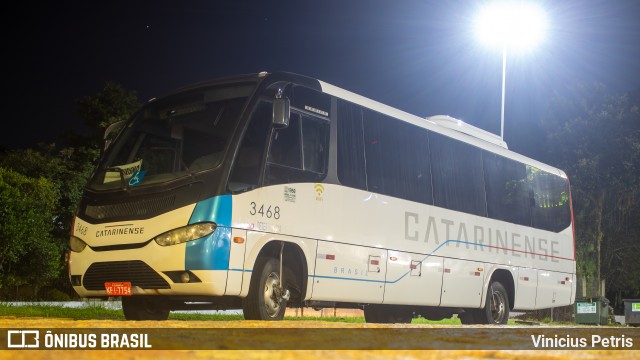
(236, 262)
(526, 289)
(349, 273)
(554, 289)
(413, 279)
(256, 241)
(462, 283)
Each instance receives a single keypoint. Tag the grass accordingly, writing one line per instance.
(51, 311)
(98, 312)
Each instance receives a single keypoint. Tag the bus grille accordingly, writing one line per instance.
(136, 272)
(131, 209)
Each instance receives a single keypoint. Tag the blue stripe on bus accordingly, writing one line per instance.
(211, 252)
(425, 258)
(216, 209)
(241, 270)
(371, 280)
(343, 278)
(428, 255)
(221, 246)
(405, 274)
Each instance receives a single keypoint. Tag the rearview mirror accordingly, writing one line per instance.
(281, 112)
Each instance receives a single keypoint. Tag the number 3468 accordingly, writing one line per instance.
(263, 210)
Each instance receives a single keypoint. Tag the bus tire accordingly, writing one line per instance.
(496, 307)
(263, 301)
(141, 308)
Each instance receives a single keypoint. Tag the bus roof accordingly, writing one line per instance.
(443, 124)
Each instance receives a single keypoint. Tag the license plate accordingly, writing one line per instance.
(118, 288)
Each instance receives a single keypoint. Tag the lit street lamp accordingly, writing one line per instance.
(510, 24)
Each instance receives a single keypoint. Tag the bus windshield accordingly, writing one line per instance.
(173, 137)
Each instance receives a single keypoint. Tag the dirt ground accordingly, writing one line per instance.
(48, 323)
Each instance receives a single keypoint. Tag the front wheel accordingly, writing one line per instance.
(143, 308)
(266, 298)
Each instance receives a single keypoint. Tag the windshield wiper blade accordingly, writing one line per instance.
(123, 182)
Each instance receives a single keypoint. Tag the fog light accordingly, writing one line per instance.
(185, 278)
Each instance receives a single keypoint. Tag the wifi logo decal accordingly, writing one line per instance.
(319, 190)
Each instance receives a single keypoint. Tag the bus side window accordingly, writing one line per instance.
(507, 190)
(298, 153)
(351, 161)
(550, 200)
(458, 182)
(285, 147)
(397, 159)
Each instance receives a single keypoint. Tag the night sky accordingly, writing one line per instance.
(419, 56)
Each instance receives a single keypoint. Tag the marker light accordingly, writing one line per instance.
(186, 233)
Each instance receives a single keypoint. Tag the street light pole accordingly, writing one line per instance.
(504, 78)
(516, 25)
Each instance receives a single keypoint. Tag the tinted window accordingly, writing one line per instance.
(508, 197)
(391, 157)
(458, 181)
(314, 142)
(173, 138)
(286, 149)
(298, 153)
(246, 169)
(550, 200)
(351, 166)
(397, 160)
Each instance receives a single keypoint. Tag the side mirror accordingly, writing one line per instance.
(111, 132)
(281, 112)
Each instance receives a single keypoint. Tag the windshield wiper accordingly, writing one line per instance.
(123, 182)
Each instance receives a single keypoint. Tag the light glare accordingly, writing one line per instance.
(516, 25)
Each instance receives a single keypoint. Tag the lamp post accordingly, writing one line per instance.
(515, 25)
(504, 81)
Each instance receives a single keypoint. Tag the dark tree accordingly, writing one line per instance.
(595, 137)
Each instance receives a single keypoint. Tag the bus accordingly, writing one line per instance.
(272, 190)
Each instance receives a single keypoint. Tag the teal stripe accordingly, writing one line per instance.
(211, 252)
(403, 275)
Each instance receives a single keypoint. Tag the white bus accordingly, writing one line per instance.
(266, 191)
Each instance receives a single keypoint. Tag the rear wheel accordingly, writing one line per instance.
(265, 300)
(496, 307)
(495, 311)
(144, 308)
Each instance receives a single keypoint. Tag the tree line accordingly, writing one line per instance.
(591, 134)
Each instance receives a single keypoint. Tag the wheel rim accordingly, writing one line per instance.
(271, 301)
(498, 309)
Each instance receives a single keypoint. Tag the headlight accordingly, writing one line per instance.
(184, 234)
(76, 245)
